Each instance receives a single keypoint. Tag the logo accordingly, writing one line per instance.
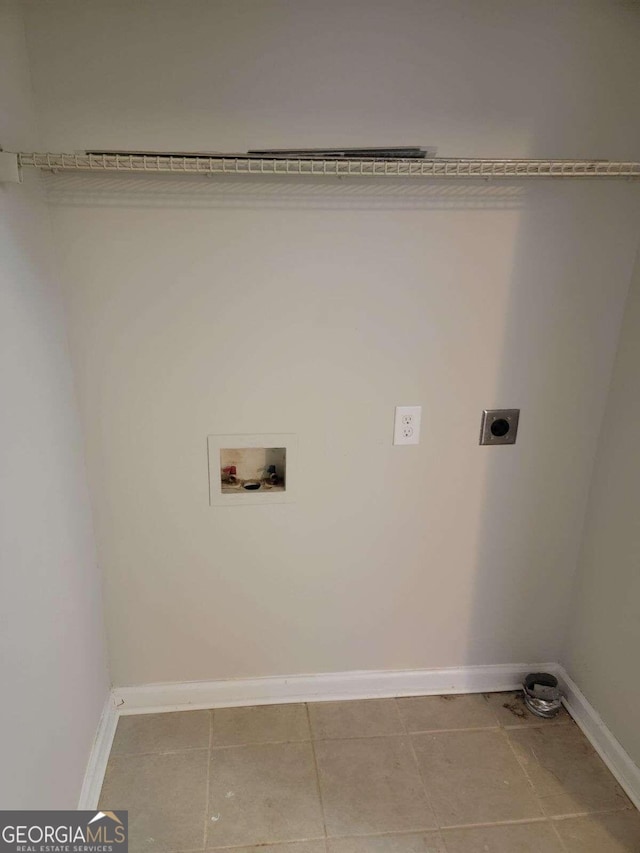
(63, 832)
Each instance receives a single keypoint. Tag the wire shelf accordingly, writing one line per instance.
(414, 168)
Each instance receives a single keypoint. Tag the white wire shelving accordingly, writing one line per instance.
(222, 164)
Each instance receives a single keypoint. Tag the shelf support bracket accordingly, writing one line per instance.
(10, 170)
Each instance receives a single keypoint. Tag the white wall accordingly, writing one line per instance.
(490, 78)
(604, 628)
(354, 298)
(52, 670)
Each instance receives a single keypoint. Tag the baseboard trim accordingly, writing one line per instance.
(99, 756)
(603, 741)
(192, 695)
(273, 690)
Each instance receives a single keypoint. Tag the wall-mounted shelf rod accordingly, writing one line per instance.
(418, 168)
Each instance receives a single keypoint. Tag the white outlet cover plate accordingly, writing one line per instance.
(406, 428)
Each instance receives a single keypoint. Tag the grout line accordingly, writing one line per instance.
(408, 734)
(259, 743)
(315, 764)
(443, 841)
(158, 752)
(405, 730)
(516, 822)
(519, 727)
(449, 731)
(522, 766)
(360, 737)
(574, 815)
(189, 850)
(491, 709)
(388, 833)
(403, 725)
(556, 832)
(208, 785)
(263, 844)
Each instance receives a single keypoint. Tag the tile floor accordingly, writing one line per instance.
(437, 774)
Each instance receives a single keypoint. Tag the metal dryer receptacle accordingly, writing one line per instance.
(499, 426)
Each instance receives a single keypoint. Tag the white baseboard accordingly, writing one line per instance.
(192, 695)
(608, 748)
(273, 690)
(99, 756)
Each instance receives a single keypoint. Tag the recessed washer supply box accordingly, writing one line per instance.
(252, 469)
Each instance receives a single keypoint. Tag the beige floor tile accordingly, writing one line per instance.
(508, 838)
(290, 847)
(138, 733)
(260, 724)
(566, 772)
(165, 795)
(510, 710)
(432, 713)
(357, 718)
(473, 777)
(423, 842)
(371, 785)
(261, 794)
(617, 832)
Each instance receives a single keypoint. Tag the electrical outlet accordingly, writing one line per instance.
(406, 428)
